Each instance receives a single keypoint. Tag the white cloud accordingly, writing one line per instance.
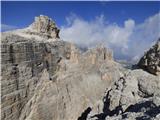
(5, 27)
(129, 24)
(90, 33)
(128, 41)
(144, 36)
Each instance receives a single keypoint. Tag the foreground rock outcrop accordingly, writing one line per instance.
(134, 96)
(45, 78)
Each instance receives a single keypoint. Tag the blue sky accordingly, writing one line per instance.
(128, 28)
(21, 13)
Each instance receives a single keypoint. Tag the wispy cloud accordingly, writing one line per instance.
(127, 42)
(5, 27)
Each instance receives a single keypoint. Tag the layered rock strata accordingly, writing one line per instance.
(22, 65)
(36, 70)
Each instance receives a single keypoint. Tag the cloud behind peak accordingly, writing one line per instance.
(127, 42)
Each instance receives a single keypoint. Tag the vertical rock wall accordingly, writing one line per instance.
(22, 64)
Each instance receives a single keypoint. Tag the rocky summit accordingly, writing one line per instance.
(46, 78)
(45, 25)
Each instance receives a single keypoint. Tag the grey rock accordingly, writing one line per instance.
(151, 60)
(45, 78)
(77, 85)
(45, 25)
(23, 62)
(134, 96)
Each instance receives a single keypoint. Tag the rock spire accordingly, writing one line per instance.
(45, 25)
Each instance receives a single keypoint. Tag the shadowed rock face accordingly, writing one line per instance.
(151, 60)
(46, 79)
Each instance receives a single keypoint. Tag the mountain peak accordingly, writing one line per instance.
(45, 25)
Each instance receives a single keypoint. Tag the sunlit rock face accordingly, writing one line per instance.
(77, 85)
(24, 57)
(151, 60)
(46, 78)
(45, 25)
(22, 65)
(40, 72)
(136, 95)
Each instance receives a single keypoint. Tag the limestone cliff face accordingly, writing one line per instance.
(23, 60)
(22, 65)
(77, 85)
(27, 53)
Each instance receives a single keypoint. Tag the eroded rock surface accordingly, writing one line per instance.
(22, 65)
(151, 60)
(133, 96)
(72, 90)
(45, 25)
(45, 78)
